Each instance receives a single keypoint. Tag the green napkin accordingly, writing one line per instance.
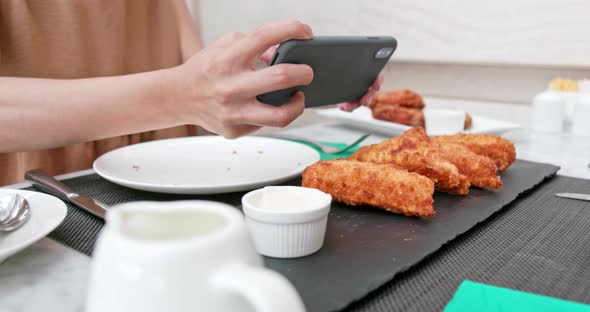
(325, 156)
(473, 296)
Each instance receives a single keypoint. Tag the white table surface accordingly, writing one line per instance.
(48, 276)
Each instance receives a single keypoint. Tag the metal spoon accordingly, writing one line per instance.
(8, 207)
(18, 212)
(7, 204)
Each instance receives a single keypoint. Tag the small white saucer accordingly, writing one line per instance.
(47, 212)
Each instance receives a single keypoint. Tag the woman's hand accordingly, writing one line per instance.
(217, 87)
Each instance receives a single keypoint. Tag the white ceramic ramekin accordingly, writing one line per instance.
(287, 221)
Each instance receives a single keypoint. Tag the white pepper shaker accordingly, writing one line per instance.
(548, 112)
(581, 117)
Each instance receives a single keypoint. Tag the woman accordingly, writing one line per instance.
(117, 72)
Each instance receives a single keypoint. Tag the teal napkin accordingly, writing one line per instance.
(472, 296)
(325, 156)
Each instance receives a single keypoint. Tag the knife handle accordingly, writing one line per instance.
(49, 184)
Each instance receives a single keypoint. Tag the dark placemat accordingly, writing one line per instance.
(539, 244)
(364, 247)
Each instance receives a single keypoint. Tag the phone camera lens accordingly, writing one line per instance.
(383, 52)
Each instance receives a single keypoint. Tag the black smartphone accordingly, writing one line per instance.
(343, 67)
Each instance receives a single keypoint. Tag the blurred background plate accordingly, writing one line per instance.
(361, 118)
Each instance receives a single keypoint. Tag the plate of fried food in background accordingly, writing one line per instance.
(392, 113)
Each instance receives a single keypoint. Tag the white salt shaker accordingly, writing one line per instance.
(548, 112)
(569, 98)
(581, 117)
(584, 86)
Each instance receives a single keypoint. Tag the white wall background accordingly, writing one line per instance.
(521, 38)
(535, 32)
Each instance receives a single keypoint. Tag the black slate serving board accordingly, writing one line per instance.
(365, 247)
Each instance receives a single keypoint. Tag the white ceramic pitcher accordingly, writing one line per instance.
(182, 256)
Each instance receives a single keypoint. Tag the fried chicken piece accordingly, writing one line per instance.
(414, 152)
(381, 186)
(480, 170)
(404, 97)
(500, 150)
(398, 114)
(403, 107)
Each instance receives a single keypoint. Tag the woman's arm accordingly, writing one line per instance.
(216, 89)
(44, 113)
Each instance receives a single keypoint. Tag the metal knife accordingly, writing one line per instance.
(574, 196)
(50, 185)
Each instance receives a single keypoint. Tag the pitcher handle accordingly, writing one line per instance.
(264, 289)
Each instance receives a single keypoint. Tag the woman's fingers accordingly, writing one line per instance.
(227, 40)
(272, 78)
(239, 130)
(368, 97)
(267, 56)
(255, 43)
(377, 83)
(373, 90)
(259, 114)
(349, 106)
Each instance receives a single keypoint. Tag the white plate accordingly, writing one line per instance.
(47, 212)
(362, 118)
(205, 164)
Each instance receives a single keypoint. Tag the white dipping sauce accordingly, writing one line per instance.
(289, 198)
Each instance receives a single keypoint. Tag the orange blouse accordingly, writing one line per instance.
(70, 39)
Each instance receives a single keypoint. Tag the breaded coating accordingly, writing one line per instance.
(402, 106)
(399, 114)
(404, 97)
(414, 152)
(500, 150)
(480, 170)
(377, 185)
